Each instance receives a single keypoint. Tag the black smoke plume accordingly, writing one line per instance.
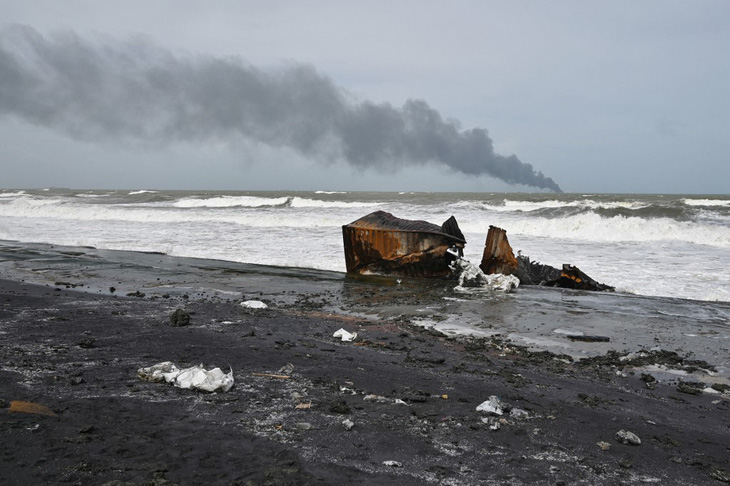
(95, 90)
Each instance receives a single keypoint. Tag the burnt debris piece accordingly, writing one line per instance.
(383, 244)
(498, 257)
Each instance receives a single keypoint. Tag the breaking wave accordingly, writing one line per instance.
(707, 202)
(300, 202)
(508, 205)
(12, 194)
(596, 228)
(230, 202)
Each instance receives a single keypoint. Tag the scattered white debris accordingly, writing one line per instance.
(195, 377)
(348, 424)
(518, 413)
(287, 369)
(568, 332)
(393, 463)
(626, 437)
(603, 445)
(375, 398)
(493, 405)
(159, 372)
(493, 423)
(254, 304)
(398, 401)
(345, 335)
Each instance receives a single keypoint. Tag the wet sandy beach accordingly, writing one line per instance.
(396, 406)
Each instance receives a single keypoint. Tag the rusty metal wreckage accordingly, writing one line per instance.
(382, 244)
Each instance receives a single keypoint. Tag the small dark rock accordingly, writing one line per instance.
(626, 463)
(180, 317)
(79, 439)
(666, 440)
(690, 388)
(112, 289)
(136, 293)
(340, 407)
(646, 377)
(87, 343)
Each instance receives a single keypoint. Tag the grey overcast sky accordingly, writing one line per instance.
(601, 96)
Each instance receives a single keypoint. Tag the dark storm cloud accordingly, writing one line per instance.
(137, 91)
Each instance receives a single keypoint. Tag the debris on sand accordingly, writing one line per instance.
(253, 304)
(195, 377)
(346, 336)
(493, 405)
(30, 407)
(627, 437)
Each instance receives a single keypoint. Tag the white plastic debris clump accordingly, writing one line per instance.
(493, 405)
(254, 304)
(471, 277)
(195, 377)
(345, 335)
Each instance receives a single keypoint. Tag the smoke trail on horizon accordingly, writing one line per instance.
(139, 91)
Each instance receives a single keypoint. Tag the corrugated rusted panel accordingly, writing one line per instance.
(386, 221)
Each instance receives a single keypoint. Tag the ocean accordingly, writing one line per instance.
(651, 245)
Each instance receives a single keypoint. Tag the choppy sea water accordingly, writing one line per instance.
(654, 245)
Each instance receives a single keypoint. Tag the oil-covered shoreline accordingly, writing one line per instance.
(396, 406)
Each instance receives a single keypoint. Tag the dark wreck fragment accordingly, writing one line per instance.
(498, 257)
(380, 243)
(570, 277)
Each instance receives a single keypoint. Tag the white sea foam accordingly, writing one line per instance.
(12, 194)
(230, 202)
(330, 192)
(530, 206)
(300, 202)
(707, 202)
(142, 191)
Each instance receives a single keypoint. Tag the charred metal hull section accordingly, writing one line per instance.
(498, 256)
(382, 244)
